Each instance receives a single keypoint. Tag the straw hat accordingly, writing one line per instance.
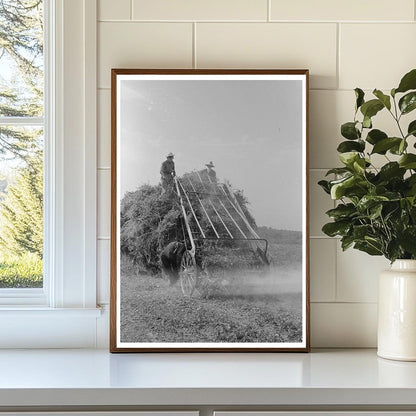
(210, 165)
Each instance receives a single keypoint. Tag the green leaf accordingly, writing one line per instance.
(402, 147)
(342, 179)
(408, 161)
(368, 248)
(412, 201)
(349, 146)
(391, 170)
(393, 250)
(375, 211)
(338, 171)
(383, 145)
(408, 102)
(411, 184)
(342, 211)
(359, 165)
(411, 130)
(338, 189)
(333, 229)
(391, 212)
(367, 122)
(325, 186)
(407, 239)
(385, 99)
(369, 201)
(350, 131)
(361, 231)
(371, 108)
(412, 179)
(393, 92)
(408, 82)
(375, 136)
(413, 211)
(359, 95)
(349, 158)
(346, 242)
(374, 242)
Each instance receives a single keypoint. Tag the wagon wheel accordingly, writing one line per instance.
(188, 273)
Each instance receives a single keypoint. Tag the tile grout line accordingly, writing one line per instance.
(194, 63)
(308, 22)
(322, 237)
(336, 271)
(369, 90)
(336, 263)
(355, 302)
(319, 169)
(338, 64)
(269, 10)
(131, 9)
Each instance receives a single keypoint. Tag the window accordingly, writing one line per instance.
(63, 312)
(22, 128)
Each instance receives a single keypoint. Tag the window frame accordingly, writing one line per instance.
(70, 208)
(37, 296)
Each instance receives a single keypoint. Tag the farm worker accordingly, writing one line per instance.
(167, 172)
(170, 259)
(212, 176)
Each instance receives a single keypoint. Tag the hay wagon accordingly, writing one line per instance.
(211, 213)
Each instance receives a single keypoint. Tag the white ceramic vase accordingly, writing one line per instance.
(397, 312)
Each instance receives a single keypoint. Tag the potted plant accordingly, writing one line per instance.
(376, 207)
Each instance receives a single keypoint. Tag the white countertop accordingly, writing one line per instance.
(96, 377)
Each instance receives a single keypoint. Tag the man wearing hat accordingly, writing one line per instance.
(212, 175)
(167, 172)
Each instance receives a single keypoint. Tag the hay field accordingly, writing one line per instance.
(245, 307)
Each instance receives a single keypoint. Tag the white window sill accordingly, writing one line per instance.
(22, 297)
(328, 379)
(40, 327)
(36, 312)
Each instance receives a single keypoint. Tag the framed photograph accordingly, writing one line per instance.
(209, 210)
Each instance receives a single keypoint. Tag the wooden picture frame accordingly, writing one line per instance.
(208, 258)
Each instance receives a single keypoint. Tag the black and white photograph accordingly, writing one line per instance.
(209, 211)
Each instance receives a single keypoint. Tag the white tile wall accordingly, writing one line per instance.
(114, 10)
(271, 45)
(322, 269)
(345, 44)
(104, 202)
(132, 45)
(344, 325)
(104, 128)
(103, 271)
(328, 110)
(357, 275)
(320, 202)
(341, 10)
(376, 55)
(200, 10)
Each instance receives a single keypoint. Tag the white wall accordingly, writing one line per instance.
(344, 43)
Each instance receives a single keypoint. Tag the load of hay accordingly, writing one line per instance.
(151, 218)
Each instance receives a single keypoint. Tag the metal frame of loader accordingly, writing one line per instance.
(221, 199)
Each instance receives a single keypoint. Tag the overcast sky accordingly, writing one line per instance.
(251, 130)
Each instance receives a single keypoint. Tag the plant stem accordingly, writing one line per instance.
(397, 118)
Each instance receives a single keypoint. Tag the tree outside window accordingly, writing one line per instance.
(21, 143)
